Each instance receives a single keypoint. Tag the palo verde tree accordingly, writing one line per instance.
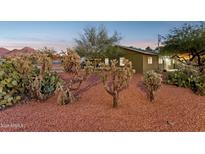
(113, 52)
(187, 39)
(94, 42)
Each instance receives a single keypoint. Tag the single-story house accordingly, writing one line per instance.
(144, 60)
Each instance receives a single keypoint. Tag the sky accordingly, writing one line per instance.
(61, 34)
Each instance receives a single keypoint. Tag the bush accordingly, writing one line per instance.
(198, 85)
(41, 88)
(152, 82)
(187, 78)
(49, 82)
(19, 78)
(71, 61)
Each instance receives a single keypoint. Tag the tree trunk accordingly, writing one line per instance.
(115, 100)
(201, 69)
(200, 65)
(42, 71)
(151, 96)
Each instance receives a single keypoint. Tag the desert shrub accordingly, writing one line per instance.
(49, 83)
(41, 83)
(198, 85)
(188, 78)
(44, 61)
(152, 82)
(41, 87)
(178, 78)
(20, 79)
(71, 61)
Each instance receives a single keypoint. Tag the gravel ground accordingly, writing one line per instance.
(175, 109)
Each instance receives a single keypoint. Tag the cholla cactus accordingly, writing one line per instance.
(48, 51)
(71, 61)
(66, 90)
(22, 64)
(152, 82)
(44, 60)
(65, 97)
(116, 78)
(64, 94)
(89, 68)
(35, 88)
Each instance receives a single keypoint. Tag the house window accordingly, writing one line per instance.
(168, 61)
(122, 61)
(149, 60)
(106, 61)
(160, 61)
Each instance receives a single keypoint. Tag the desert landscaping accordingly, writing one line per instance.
(101, 86)
(175, 109)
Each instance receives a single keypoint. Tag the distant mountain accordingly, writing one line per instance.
(14, 52)
(25, 50)
(4, 51)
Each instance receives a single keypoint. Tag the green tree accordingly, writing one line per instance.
(95, 42)
(113, 52)
(187, 39)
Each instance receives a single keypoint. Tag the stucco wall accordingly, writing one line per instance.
(135, 58)
(153, 66)
(140, 61)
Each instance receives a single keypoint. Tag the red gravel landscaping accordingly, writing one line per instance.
(175, 109)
